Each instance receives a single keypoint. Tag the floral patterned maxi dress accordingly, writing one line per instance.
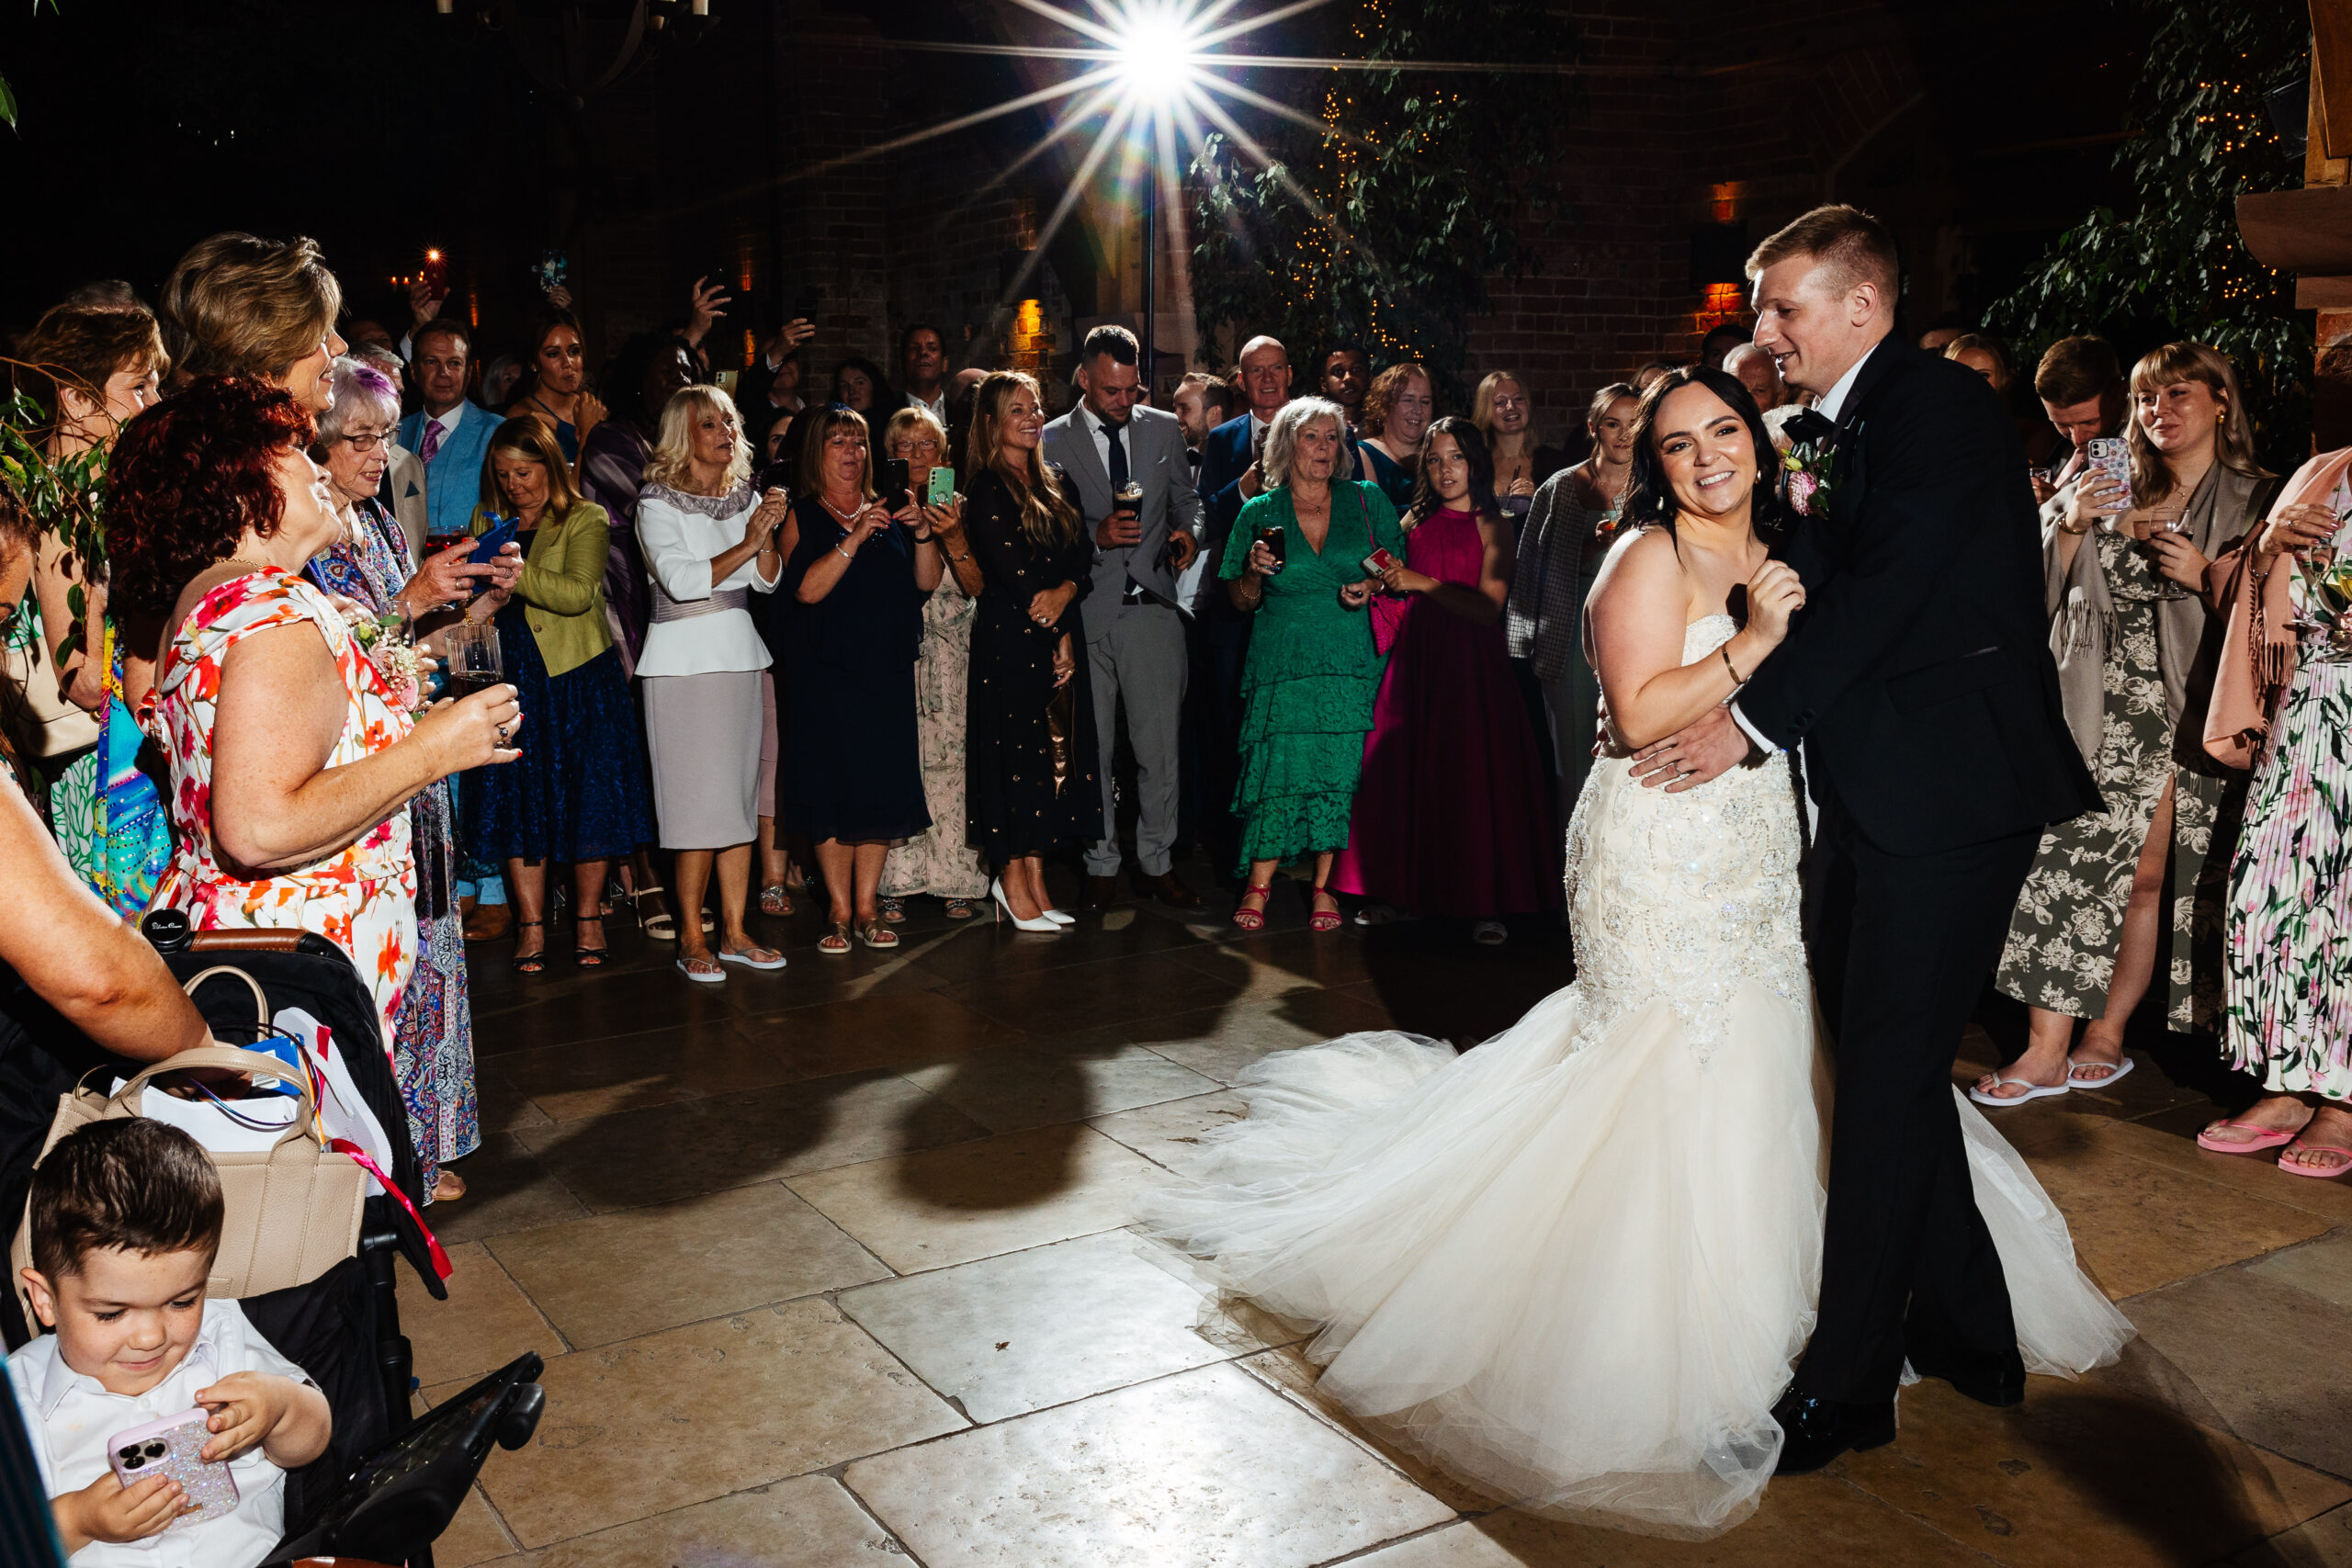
(2287, 962)
(940, 860)
(2069, 919)
(363, 898)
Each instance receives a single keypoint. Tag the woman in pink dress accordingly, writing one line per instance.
(292, 761)
(1452, 817)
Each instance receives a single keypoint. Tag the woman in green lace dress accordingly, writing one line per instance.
(2128, 624)
(1314, 671)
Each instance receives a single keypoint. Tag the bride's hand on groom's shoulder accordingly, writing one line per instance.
(1709, 748)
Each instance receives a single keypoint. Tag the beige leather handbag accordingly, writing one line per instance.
(292, 1210)
(65, 728)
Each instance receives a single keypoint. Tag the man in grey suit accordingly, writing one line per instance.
(1135, 634)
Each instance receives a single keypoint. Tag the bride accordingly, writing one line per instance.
(1576, 1265)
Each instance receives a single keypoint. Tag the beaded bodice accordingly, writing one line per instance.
(1682, 898)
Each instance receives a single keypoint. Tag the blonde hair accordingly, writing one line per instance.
(1482, 402)
(238, 305)
(2233, 446)
(1047, 518)
(534, 439)
(904, 421)
(1281, 439)
(1854, 247)
(673, 450)
(1983, 344)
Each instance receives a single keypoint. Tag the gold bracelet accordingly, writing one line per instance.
(1723, 648)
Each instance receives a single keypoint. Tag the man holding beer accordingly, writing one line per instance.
(1127, 463)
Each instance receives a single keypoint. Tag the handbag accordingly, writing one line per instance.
(66, 726)
(290, 1212)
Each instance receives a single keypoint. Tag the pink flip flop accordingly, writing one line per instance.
(2323, 1149)
(2264, 1139)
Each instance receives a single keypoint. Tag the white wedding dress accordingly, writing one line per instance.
(1575, 1266)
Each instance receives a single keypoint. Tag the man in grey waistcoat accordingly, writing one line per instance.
(1108, 445)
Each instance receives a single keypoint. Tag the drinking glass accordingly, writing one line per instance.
(474, 663)
(2170, 519)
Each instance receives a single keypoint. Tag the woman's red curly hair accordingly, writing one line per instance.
(189, 477)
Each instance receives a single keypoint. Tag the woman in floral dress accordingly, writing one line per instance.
(2287, 972)
(939, 860)
(2126, 579)
(213, 510)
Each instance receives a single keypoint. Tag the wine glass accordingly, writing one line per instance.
(473, 658)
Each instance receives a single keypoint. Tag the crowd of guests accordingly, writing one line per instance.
(711, 650)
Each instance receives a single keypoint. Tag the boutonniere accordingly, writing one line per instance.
(1805, 467)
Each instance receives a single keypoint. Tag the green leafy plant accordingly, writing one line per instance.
(2174, 261)
(66, 494)
(1380, 218)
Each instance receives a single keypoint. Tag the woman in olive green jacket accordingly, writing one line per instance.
(579, 794)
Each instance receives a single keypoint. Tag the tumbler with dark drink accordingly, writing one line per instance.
(1273, 539)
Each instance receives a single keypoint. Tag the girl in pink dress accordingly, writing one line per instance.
(1452, 817)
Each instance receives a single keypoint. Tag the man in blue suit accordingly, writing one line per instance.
(451, 434)
(1228, 479)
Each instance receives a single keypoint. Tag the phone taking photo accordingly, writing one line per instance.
(2107, 455)
(941, 489)
(897, 485)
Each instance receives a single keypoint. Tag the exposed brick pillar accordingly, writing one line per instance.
(833, 224)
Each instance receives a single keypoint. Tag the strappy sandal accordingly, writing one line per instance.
(873, 933)
(775, 899)
(893, 909)
(1250, 919)
(962, 908)
(528, 962)
(584, 956)
(834, 943)
(1321, 919)
(662, 927)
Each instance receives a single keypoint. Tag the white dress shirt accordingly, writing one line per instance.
(73, 1417)
(680, 536)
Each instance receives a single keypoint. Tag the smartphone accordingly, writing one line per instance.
(897, 486)
(1380, 561)
(2105, 454)
(551, 271)
(942, 488)
(805, 304)
(500, 534)
(436, 275)
(173, 1447)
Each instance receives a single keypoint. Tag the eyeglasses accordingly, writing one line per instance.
(364, 442)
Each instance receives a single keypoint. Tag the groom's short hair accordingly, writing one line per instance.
(1855, 245)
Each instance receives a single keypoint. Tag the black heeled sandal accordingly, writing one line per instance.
(586, 957)
(528, 962)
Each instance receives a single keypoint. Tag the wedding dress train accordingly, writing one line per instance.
(1576, 1265)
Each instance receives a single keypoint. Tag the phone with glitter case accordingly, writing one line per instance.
(174, 1447)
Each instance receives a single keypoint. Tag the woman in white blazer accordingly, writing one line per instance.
(709, 543)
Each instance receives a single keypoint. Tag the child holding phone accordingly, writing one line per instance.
(126, 1218)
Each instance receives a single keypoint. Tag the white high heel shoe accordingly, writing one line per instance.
(1004, 912)
(1059, 919)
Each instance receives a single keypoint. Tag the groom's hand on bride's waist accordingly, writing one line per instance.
(1689, 757)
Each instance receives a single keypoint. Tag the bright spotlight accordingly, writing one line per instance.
(1156, 56)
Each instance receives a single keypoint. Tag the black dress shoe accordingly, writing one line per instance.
(1100, 891)
(1818, 1430)
(1168, 889)
(1989, 1376)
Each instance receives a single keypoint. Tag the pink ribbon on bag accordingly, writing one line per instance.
(367, 1162)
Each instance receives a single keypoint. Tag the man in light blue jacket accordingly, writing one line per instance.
(450, 434)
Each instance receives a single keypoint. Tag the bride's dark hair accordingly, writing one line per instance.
(1649, 499)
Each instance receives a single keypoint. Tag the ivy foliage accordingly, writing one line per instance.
(1379, 220)
(62, 493)
(2173, 266)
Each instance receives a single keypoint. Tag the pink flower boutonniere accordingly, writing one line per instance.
(1807, 470)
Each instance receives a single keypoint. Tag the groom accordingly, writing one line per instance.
(1920, 682)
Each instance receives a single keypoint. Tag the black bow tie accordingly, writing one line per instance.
(1810, 428)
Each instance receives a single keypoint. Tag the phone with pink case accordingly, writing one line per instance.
(174, 1447)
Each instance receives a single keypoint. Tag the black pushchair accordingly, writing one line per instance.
(343, 1327)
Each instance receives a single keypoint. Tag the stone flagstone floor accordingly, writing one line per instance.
(828, 1268)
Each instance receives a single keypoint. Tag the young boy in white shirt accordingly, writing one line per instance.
(125, 1219)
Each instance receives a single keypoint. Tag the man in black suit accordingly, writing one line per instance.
(1919, 681)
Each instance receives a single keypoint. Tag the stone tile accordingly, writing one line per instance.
(1063, 1002)
(987, 951)
(1287, 1371)
(630, 1072)
(2082, 1474)
(2325, 1543)
(1280, 960)
(1010, 1334)
(2322, 1268)
(952, 1205)
(2138, 1225)
(2257, 1176)
(619, 1276)
(1009, 1087)
(486, 1321)
(2263, 1354)
(1459, 1545)
(539, 1015)
(1207, 1468)
(809, 1522)
(704, 1145)
(1174, 1133)
(501, 1106)
(473, 1536)
(1222, 1042)
(506, 1190)
(860, 1034)
(650, 1425)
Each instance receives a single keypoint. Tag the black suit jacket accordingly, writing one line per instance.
(1919, 673)
(1225, 458)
